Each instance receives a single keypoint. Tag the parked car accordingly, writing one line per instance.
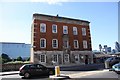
(29, 70)
(116, 68)
(111, 61)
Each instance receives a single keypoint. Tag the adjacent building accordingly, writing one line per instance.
(13, 50)
(60, 40)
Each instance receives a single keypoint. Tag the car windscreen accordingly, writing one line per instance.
(109, 59)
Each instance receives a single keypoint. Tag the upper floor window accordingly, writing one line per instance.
(85, 44)
(43, 43)
(75, 31)
(54, 28)
(76, 44)
(43, 27)
(55, 43)
(84, 31)
(65, 29)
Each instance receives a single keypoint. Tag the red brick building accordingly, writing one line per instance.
(60, 40)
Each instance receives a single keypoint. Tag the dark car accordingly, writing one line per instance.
(29, 70)
(111, 61)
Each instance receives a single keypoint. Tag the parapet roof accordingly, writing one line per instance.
(36, 14)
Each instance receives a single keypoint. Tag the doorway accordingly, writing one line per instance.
(86, 59)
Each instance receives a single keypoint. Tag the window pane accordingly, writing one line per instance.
(84, 44)
(42, 27)
(84, 31)
(43, 43)
(55, 58)
(75, 30)
(42, 58)
(65, 30)
(76, 44)
(54, 43)
(54, 28)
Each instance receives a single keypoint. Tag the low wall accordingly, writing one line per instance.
(11, 67)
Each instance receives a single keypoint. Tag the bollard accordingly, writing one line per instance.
(57, 75)
(57, 71)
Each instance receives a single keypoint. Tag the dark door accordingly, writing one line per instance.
(86, 59)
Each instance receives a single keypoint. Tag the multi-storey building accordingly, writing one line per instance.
(13, 49)
(60, 40)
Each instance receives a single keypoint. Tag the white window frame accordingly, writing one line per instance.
(65, 29)
(42, 25)
(55, 56)
(66, 56)
(84, 31)
(75, 31)
(53, 28)
(56, 43)
(44, 60)
(66, 43)
(85, 45)
(75, 44)
(44, 42)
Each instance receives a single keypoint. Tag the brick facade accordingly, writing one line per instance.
(61, 54)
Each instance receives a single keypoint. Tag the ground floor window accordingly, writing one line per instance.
(55, 58)
(66, 57)
(43, 58)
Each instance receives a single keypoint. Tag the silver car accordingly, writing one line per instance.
(116, 68)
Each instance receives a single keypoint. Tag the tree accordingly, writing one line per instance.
(28, 59)
(19, 58)
(5, 58)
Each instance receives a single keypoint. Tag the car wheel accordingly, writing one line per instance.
(27, 75)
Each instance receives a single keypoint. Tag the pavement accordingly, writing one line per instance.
(86, 73)
(73, 75)
(78, 75)
(8, 73)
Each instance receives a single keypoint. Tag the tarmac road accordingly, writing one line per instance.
(71, 74)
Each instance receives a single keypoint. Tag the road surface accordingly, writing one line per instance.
(72, 74)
